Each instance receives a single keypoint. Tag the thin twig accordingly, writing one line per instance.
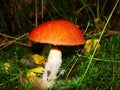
(7, 36)
(42, 14)
(103, 7)
(36, 13)
(56, 10)
(71, 69)
(86, 28)
(98, 59)
(5, 43)
(10, 42)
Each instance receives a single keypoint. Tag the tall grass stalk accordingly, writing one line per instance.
(80, 80)
(42, 14)
(98, 13)
(36, 13)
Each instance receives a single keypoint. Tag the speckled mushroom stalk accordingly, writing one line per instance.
(52, 66)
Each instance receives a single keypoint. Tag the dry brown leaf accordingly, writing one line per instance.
(23, 80)
(110, 33)
(37, 83)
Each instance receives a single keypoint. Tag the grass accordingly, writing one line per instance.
(104, 72)
(95, 70)
(9, 67)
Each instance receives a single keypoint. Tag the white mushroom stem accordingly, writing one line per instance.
(52, 66)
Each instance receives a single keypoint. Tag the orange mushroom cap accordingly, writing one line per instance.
(58, 32)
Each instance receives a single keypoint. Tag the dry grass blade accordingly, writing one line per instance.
(5, 44)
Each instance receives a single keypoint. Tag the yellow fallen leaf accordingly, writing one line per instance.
(30, 74)
(37, 70)
(38, 59)
(91, 44)
(6, 66)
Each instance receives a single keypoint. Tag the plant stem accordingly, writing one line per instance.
(36, 17)
(80, 80)
(42, 9)
(98, 14)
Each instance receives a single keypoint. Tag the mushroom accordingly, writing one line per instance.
(57, 33)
